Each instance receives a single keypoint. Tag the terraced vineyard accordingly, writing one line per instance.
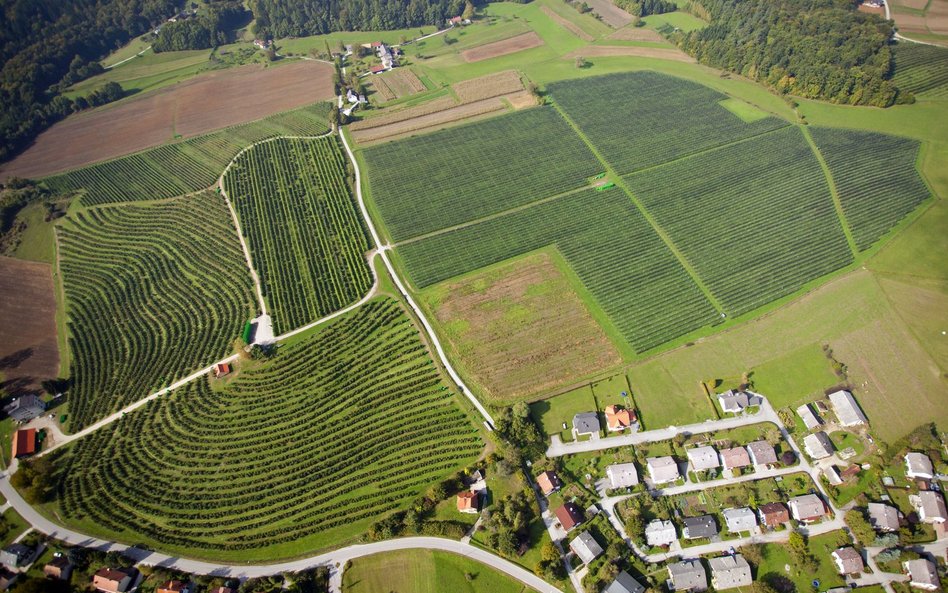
(642, 119)
(875, 176)
(305, 235)
(632, 275)
(291, 455)
(921, 69)
(450, 177)
(175, 169)
(756, 218)
(153, 293)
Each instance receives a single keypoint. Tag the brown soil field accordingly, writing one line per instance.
(485, 87)
(596, 51)
(871, 10)
(636, 34)
(396, 84)
(197, 106)
(937, 17)
(910, 23)
(502, 48)
(398, 115)
(610, 14)
(520, 329)
(567, 24)
(427, 121)
(28, 349)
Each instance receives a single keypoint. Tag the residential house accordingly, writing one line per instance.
(729, 572)
(624, 583)
(931, 507)
(548, 482)
(24, 442)
(919, 466)
(263, 43)
(586, 547)
(832, 475)
(7, 578)
(807, 508)
(618, 418)
(735, 402)
(703, 458)
(687, 575)
(622, 475)
(58, 568)
(703, 526)
(569, 515)
(818, 445)
(883, 517)
(173, 587)
(762, 453)
(662, 469)
(221, 369)
(467, 501)
(773, 514)
(740, 519)
(15, 555)
(113, 580)
(922, 574)
(586, 423)
(810, 419)
(848, 561)
(734, 458)
(25, 408)
(660, 533)
(455, 20)
(846, 408)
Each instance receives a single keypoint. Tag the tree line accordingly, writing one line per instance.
(211, 28)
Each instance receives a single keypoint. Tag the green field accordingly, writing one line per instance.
(921, 69)
(154, 292)
(551, 414)
(303, 228)
(146, 72)
(274, 451)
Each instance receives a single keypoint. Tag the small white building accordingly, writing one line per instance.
(762, 453)
(660, 533)
(818, 445)
(922, 574)
(810, 419)
(846, 408)
(883, 517)
(931, 507)
(847, 561)
(807, 508)
(687, 575)
(622, 475)
(729, 572)
(733, 402)
(740, 519)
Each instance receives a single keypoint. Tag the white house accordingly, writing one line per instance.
(622, 475)
(729, 572)
(762, 453)
(919, 466)
(733, 402)
(703, 458)
(810, 420)
(922, 574)
(818, 445)
(687, 575)
(807, 508)
(662, 469)
(586, 547)
(846, 408)
(883, 517)
(740, 519)
(660, 533)
(931, 508)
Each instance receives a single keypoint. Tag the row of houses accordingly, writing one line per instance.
(759, 454)
(727, 572)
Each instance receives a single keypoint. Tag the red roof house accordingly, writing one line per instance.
(569, 515)
(548, 482)
(221, 369)
(618, 418)
(24, 442)
(467, 501)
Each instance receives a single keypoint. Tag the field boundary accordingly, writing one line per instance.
(837, 204)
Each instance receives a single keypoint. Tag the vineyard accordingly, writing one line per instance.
(184, 167)
(631, 274)
(305, 235)
(921, 69)
(876, 178)
(756, 218)
(642, 119)
(450, 177)
(294, 454)
(153, 293)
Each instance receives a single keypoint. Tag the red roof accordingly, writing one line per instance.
(376, 44)
(569, 515)
(24, 442)
(467, 500)
(618, 417)
(222, 369)
(171, 587)
(377, 69)
(548, 482)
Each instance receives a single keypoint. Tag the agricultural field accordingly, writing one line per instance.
(486, 87)
(921, 69)
(876, 178)
(502, 48)
(293, 454)
(305, 236)
(153, 292)
(183, 167)
(395, 84)
(755, 218)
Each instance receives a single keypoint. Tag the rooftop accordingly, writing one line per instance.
(846, 408)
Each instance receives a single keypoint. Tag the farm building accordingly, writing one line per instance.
(734, 458)
(263, 43)
(660, 533)
(467, 501)
(586, 423)
(15, 555)
(810, 420)
(931, 507)
(618, 418)
(569, 515)
(687, 575)
(762, 453)
(832, 475)
(922, 574)
(703, 458)
(622, 475)
(221, 370)
(883, 517)
(25, 408)
(728, 572)
(58, 568)
(703, 526)
(740, 519)
(919, 466)
(548, 482)
(585, 547)
(624, 583)
(846, 408)
(662, 469)
(818, 445)
(847, 561)
(24, 442)
(807, 508)
(113, 580)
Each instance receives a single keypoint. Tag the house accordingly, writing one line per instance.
(662, 469)
(883, 517)
(762, 453)
(740, 519)
(548, 482)
(818, 445)
(660, 533)
(618, 418)
(687, 575)
(7, 578)
(569, 515)
(832, 475)
(15, 555)
(931, 508)
(810, 420)
(918, 466)
(263, 43)
(922, 574)
(24, 442)
(455, 20)
(703, 458)
(703, 526)
(58, 568)
(586, 547)
(847, 560)
(173, 587)
(733, 402)
(25, 408)
(586, 423)
(734, 458)
(377, 69)
(846, 408)
(622, 475)
(728, 572)
(113, 580)
(624, 583)
(467, 501)
(221, 369)
(807, 508)
(773, 514)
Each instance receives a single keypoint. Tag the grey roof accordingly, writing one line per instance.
(810, 419)
(933, 507)
(734, 457)
(883, 517)
(733, 401)
(688, 575)
(847, 560)
(622, 475)
(624, 583)
(818, 445)
(922, 573)
(703, 458)
(660, 533)
(586, 423)
(807, 507)
(832, 475)
(846, 408)
(586, 547)
(918, 465)
(740, 519)
(762, 453)
(25, 408)
(703, 526)
(662, 469)
(728, 572)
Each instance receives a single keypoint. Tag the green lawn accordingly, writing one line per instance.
(16, 526)
(666, 397)
(37, 242)
(794, 378)
(745, 111)
(609, 391)
(777, 557)
(302, 45)
(676, 20)
(552, 413)
(128, 50)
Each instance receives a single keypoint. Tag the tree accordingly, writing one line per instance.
(754, 553)
(580, 62)
(468, 11)
(861, 528)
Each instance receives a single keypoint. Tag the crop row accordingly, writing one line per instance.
(335, 431)
(921, 68)
(305, 235)
(460, 174)
(153, 292)
(875, 176)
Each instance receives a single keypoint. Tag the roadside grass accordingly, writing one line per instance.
(16, 526)
(552, 413)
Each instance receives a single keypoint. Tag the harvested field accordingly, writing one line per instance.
(914, 4)
(937, 17)
(28, 349)
(404, 114)
(502, 48)
(636, 34)
(610, 14)
(429, 120)
(396, 84)
(567, 24)
(599, 51)
(195, 107)
(521, 330)
(485, 87)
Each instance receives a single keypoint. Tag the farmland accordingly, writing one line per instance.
(271, 450)
(395, 84)
(502, 48)
(922, 69)
(306, 239)
(153, 292)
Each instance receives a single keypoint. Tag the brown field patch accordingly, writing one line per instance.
(636, 34)
(439, 104)
(396, 84)
(610, 14)
(485, 87)
(911, 23)
(427, 121)
(599, 51)
(567, 24)
(502, 48)
(916, 4)
(520, 329)
(937, 17)
(29, 352)
(871, 9)
(197, 106)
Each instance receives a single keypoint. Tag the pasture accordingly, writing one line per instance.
(296, 453)
(305, 235)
